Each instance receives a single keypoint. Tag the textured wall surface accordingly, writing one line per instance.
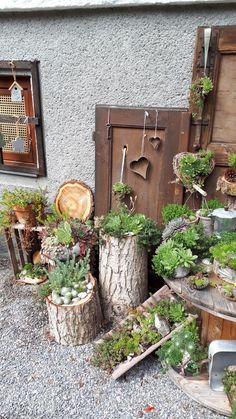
(118, 57)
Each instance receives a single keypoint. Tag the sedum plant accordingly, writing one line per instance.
(199, 89)
(194, 167)
(232, 160)
(173, 211)
(170, 256)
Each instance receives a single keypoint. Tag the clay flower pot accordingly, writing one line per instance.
(25, 215)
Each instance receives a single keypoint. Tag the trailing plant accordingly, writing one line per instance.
(194, 167)
(199, 89)
(172, 211)
(66, 275)
(209, 206)
(184, 350)
(5, 220)
(169, 256)
(121, 223)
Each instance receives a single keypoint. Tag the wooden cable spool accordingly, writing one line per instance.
(75, 198)
(195, 186)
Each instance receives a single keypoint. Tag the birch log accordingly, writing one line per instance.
(75, 324)
(123, 275)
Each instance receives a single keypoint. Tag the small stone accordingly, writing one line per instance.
(74, 293)
(82, 295)
(66, 300)
(90, 286)
(64, 290)
(75, 300)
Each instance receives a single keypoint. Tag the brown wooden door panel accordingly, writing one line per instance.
(219, 113)
(117, 128)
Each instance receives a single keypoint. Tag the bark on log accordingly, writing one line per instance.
(75, 324)
(123, 276)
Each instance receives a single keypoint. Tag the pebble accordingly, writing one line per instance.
(90, 286)
(82, 295)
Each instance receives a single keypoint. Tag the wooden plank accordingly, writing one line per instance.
(122, 368)
(204, 299)
(20, 250)
(8, 119)
(11, 250)
(199, 390)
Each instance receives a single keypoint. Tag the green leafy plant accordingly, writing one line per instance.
(119, 224)
(171, 310)
(65, 275)
(184, 350)
(232, 160)
(229, 381)
(173, 211)
(188, 237)
(63, 233)
(169, 256)
(198, 281)
(121, 189)
(20, 197)
(225, 253)
(209, 206)
(199, 89)
(194, 167)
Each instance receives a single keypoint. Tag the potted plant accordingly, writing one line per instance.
(125, 238)
(72, 302)
(136, 334)
(193, 168)
(173, 211)
(32, 274)
(199, 281)
(173, 260)
(199, 90)
(228, 291)
(205, 212)
(28, 205)
(224, 254)
(65, 237)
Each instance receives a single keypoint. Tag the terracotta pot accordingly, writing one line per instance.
(25, 215)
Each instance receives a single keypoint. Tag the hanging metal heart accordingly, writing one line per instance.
(155, 142)
(140, 166)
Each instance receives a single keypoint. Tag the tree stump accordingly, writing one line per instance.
(75, 324)
(123, 275)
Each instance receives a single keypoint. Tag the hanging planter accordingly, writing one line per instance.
(193, 169)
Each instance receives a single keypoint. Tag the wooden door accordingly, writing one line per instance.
(117, 128)
(218, 124)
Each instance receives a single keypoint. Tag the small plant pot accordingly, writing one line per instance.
(181, 272)
(25, 215)
(198, 287)
(226, 273)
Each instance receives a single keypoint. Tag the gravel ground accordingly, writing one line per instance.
(40, 379)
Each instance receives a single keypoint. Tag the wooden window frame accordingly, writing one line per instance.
(37, 167)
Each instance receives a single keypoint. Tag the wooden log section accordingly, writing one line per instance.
(75, 324)
(123, 276)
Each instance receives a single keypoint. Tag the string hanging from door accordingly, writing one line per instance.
(140, 166)
(155, 141)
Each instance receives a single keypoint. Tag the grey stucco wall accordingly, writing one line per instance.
(118, 57)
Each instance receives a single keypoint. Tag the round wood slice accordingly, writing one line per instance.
(75, 199)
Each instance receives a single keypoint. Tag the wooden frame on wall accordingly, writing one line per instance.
(34, 163)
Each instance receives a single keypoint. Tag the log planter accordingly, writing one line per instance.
(123, 275)
(75, 324)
